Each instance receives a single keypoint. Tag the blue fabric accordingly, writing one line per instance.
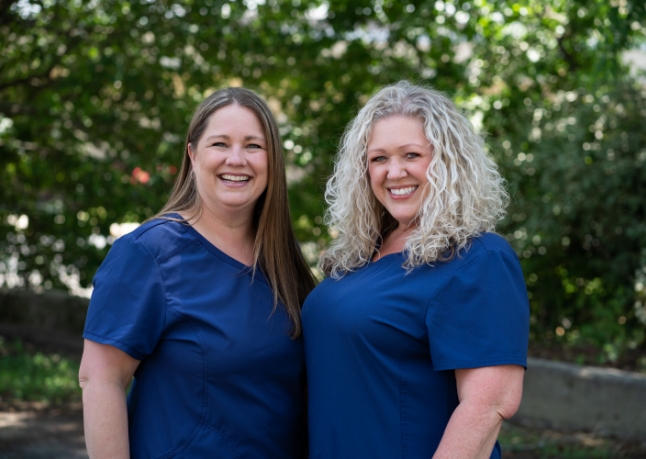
(219, 375)
(381, 345)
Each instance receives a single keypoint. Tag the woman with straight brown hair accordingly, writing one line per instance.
(201, 305)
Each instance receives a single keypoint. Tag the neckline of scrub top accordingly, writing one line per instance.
(401, 254)
(397, 254)
(208, 245)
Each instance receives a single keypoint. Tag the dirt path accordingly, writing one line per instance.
(34, 432)
(37, 433)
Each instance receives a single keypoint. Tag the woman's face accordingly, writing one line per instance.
(230, 162)
(398, 156)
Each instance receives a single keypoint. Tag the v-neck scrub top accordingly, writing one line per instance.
(381, 344)
(219, 375)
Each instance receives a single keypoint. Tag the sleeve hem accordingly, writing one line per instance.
(113, 342)
(468, 364)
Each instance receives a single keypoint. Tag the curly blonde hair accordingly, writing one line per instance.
(466, 194)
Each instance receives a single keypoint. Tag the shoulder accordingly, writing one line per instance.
(483, 253)
(161, 238)
(489, 244)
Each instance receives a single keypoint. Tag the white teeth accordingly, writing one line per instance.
(235, 178)
(402, 191)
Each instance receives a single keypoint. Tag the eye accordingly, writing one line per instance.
(378, 159)
(412, 155)
(254, 145)
(219, 144)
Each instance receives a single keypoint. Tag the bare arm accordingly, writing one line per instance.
(104, 375)
(488, 395)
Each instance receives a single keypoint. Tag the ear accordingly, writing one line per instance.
(191, 154)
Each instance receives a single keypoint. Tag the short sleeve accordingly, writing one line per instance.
(127, 308)
(480, 316)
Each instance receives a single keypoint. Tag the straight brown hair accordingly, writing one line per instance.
(276, 251)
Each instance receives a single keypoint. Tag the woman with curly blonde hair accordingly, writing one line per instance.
(416, 343)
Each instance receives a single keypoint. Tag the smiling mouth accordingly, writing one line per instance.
(235, 178)
(403, 191)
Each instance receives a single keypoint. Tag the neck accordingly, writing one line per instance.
(233, 236)
(394, 242)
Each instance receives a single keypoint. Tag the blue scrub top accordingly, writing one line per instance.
(219, 374)
(381, 345)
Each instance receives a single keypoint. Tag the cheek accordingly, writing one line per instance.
(261, 165)
(375, 177)
(370, 178)
(195, 165)
(375, 185)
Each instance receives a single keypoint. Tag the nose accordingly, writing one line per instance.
(396, 169)
(236, 156)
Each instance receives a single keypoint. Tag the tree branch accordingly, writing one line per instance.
(567, 56)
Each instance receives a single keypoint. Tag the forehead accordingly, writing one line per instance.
(234, 119)
(397, 128)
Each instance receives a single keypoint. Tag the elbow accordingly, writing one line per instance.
(85, 374)
(509, 406)
(83, 378)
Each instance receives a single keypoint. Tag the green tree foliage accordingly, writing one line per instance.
(95, 98)
(579, 214)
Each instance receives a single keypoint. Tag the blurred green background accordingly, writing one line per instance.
(95, 100)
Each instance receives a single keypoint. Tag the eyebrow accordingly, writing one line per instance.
(401, 147)
(224, 136)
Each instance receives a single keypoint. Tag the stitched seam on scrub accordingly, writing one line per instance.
(169, 309)
(402, 404)
(186, 245)
(487, 249)
(137, 413)
(439, 290)
(184, 444)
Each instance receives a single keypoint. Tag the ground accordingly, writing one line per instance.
(34, 430)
